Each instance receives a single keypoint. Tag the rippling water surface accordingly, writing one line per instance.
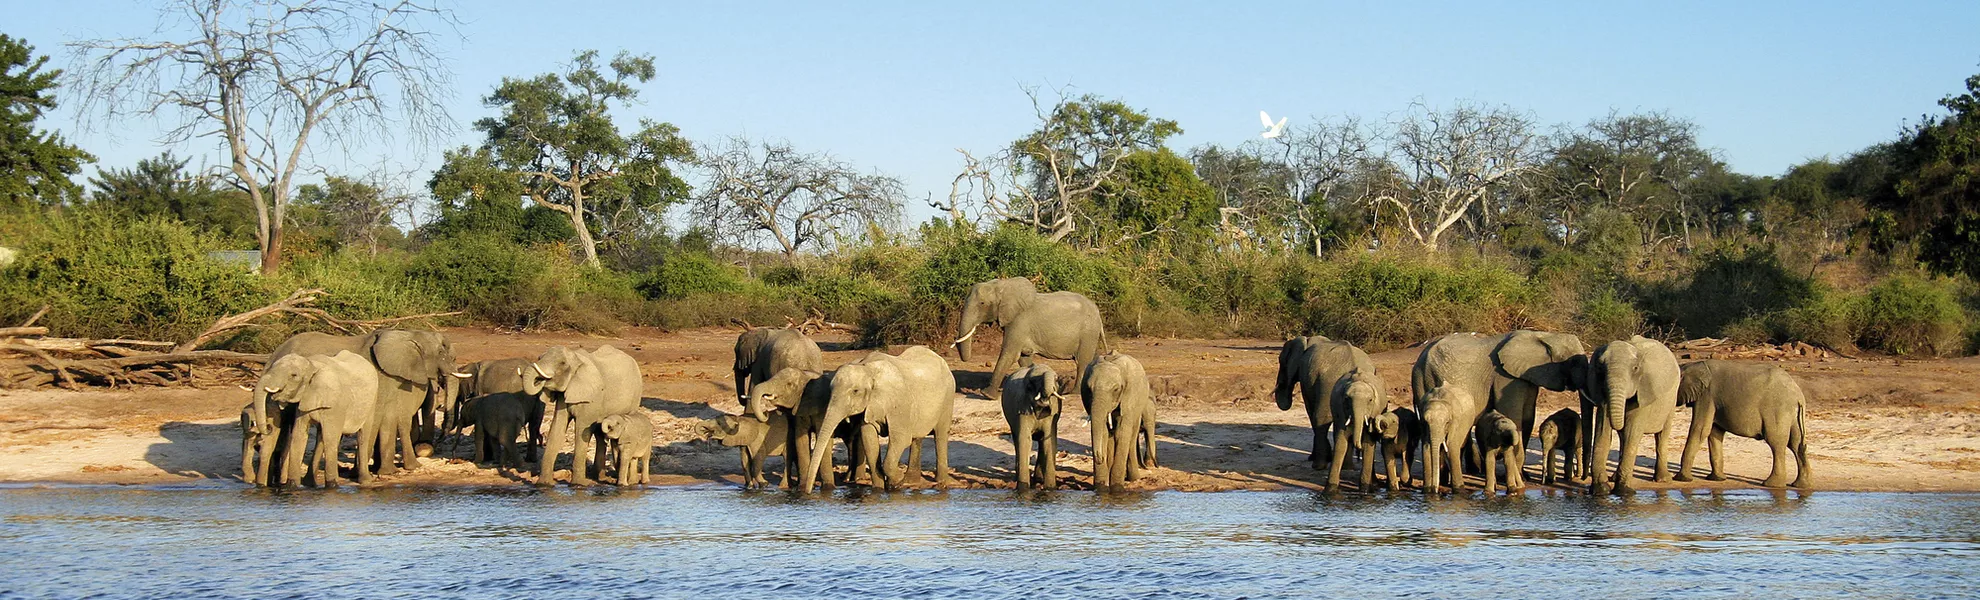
(718, 542)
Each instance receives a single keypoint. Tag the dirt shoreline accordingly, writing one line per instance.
(1875, 424)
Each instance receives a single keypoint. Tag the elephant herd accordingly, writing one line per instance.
(1472, 396)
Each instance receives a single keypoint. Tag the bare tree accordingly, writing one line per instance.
(266, 75)
(1449, 162)
(1046, 179)
(1639, 164)
(1324, 163)
(797, 200)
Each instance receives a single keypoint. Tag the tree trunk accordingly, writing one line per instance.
(271, 253)
(585, 241)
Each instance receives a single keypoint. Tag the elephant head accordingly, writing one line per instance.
(1365, 401)
(1037, 387)
(1290, 356)
(285, 379)
(1541, 358)
(1386, 426)
(855, 390)
(1105, 381)
(555, 371)
(996, 302)
(1615, 369)
(716, 428)
(784, 390)
(1439, 412)
(614, 426)
(423, 357)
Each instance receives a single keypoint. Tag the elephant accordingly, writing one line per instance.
(1506, 371)
(1397, 430)
(585, 387)
(416, 374)
(255, 431)
(1122, 410)
(912, 396)
(1355, 402)
(1635, 385)
(1315, 364)
(763, 351)
(506, 376)
(1444, 434)
(498, 419)
(1057, 325)
(1032, 402)
(757, 440)
(1499, 438)
(337, 394)
(1560, 432)
(1748, 400)
(795, 399)
(632, 440)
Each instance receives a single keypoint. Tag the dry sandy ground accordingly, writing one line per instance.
(1876, 424)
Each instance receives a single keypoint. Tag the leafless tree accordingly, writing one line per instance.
(797, 200)
(1638, 164)
(1324, 163)
(1449, 162)
(264, 76)
(1043, 180)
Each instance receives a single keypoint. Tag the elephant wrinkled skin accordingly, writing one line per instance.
(1761, 402)
(1032, 402)
(585, 387)
(912, 396)
(1057, 325)
(1506, 371)
(415, 372)
(1357, 399)
(632, 441)
(1498, 437)
(1634, 385)
(1122, 410)
(1561, 432)
(337, 395)
(1315, 364)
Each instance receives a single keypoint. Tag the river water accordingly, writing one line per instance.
(718, 542)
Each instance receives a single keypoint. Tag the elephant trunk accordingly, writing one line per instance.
(1433, 464)
(972, 318)
(821, 449)
(1617, 399)
(756, 410)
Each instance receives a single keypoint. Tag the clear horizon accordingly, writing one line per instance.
(898, 87)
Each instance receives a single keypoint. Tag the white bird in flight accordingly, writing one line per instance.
(1272, 130)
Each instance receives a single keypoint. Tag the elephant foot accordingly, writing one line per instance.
(582, 482)
(423, 449)
(1774, 482)
(1663, 476)
(1716, 477)
(545, 481)
(1683, 477)
(1598, 489)
(1625, 490)
(412, 463)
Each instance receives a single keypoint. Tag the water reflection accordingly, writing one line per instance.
(719, 542)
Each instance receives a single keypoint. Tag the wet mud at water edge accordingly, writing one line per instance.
(1875, 424)
(226, 541)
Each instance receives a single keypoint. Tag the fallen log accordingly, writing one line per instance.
(110, 370)
(21, 331)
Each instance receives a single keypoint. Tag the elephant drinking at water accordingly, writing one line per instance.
(1315, 364)
(1503, 372)
(415, 372)
(912, 395)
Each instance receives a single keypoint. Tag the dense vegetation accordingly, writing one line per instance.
(1385, 234)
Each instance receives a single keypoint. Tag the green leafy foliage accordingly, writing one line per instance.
(106, 276)
(35, 166)
(163, 187)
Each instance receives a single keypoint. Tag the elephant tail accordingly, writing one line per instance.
(1148, 431)
(1799, 437)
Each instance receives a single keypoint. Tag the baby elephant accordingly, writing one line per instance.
(756, 439)
(1499, 438)
(1749, 400)
(253, 433)
(498, 419)
(1396, 431)
(632, 437)
(1031, 404)
(1562, 432)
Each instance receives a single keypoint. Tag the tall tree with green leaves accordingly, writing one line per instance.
(1047, 179)
(475, 196)
(1939, 182)
(35, 166)
(556, 134)
(163, 186)
(352, 212)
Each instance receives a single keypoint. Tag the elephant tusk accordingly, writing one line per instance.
(972, 333)
(273, 390)
(539, 370)
(246, 387)
(463, 375)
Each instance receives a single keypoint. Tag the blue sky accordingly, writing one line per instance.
(899, 86)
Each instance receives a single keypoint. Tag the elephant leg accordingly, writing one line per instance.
(752, 465)
(911, 472)
(1006, 358)
(580, 447)
(292, 457)
(1804, 476)
(599, 459)
(1340, 456)
(1454, 465)
(1516, 464)
(1048, 459)
(869, 453)
(534, 427)
(1626, 446)
(1021, 440)
(1121, 457)
(1367, 466)
(1716, 447)
(1663, 467)
(1701, 424)
(408, 444)
(367, 443)
(553, 444)
(327, 449)
(1599, 437)
(890, 465)
(942, 479)
(1777, 441)
(1321, 451)
(1102, 444)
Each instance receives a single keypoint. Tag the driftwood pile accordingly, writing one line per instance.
(1703, 348)
(810, 326)
(73, 362)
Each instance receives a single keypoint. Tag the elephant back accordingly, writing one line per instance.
(347, 383)
(497, 377)
(619, 377)
(314, 343)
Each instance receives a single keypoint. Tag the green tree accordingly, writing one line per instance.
(556, 134)
(161, 186)
(1158, 198)
(350, 212)
(1939, 182)
(474, 195)
(35, 166)
(1047, 179)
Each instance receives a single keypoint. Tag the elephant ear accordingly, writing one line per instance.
(399, 354)
(1538, 357)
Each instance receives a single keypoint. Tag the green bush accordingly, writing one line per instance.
(684, 274)
(1605, 317)
(1906, 314)
(1827, 318)
(105, 276)
(1729, 284)
(361, 286)
(1387, 301)
(499, 282)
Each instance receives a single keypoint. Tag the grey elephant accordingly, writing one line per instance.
(335, 395)
(585, 387)
(1445, 432)
(498, 419)
(763, 351)
(1314, 364)
(1032, 402)
(796, 399)
(1506, 370)
(1634, 384)
(507, 376)
(415, 372)
(1748, 400)
(1122, 410)
(1499, 438)
(255, 433)
(1560, 432)
(1397, 431)
(631, 435)
(911, 396)
(757, 440)
(1057, 325)
(1358, 398)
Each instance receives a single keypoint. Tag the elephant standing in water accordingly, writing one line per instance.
(1634, 384)
(586, 387)
(1032, 403)
(337, 394)
(912, 395)
(415, 372)
(792, 404)
(1506, 371)
(763, 354)
(1122, 410)
(1315, 364)
(1498, 437)
(1357, 400)
(1058, 325)
(1757, 401)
